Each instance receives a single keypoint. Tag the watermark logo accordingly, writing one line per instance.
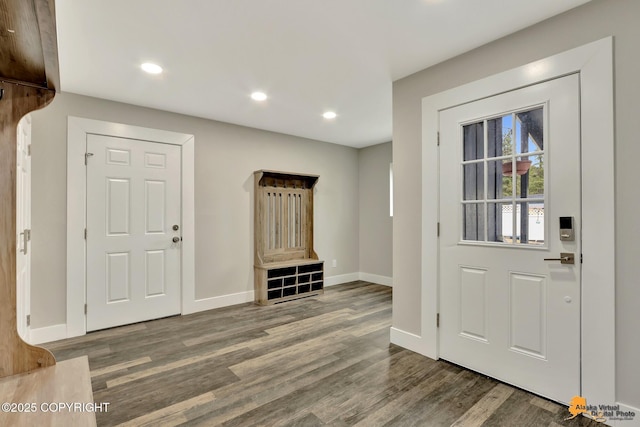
(599, 413)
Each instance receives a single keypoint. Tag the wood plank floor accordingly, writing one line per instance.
(317, 361)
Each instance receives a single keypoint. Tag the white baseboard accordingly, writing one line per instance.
(374, 278)
(48, 334)
(248, 296)
(342, 278)
(407, 340)
(58, 332)
(633, 422)
(352, 277)
(218, 302)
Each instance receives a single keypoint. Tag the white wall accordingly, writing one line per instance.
(376, 226)
(593, 21)
(226, 156)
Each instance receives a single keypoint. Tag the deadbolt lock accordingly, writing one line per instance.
(176, 227)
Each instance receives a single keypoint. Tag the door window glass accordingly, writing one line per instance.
(503, 185)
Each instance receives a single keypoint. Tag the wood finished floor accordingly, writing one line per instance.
(317, 361)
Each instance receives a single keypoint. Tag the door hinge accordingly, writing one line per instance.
(86, 157)
(29, 150)
(438, 139)
(438, 320)
(27, 234)
(438, 229)
(85, 234)
(28, 320)
(85, 308)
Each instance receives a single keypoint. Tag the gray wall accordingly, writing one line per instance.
(225, 158)
(376, 226)
(590, 22)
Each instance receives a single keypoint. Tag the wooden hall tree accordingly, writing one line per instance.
(285, 265)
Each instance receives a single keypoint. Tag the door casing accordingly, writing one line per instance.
(78, 128)
(594, 64)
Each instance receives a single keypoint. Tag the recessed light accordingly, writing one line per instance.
(151, 68)
(259, 96)
(329, 115)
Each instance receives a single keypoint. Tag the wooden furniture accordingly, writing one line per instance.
(36, 398)
(28, 80)
(288, 280)
(285, 265)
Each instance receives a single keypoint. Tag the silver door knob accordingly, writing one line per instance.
(175, 239)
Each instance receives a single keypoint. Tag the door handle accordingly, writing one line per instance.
(565, 258)
(175, 239)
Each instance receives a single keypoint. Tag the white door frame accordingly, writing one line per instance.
(78, 129)
(23, 290)
(594, 64)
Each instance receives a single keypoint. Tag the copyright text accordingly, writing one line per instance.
(55, 407)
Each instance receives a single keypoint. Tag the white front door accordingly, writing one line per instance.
(509, 177)
(133, 217)
(23, 227)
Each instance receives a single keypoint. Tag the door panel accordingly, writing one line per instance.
(155, 266)
(155, 201)
(118, 206)
(133, 265)
(509, 169)
(473, 306)
(118, 273)
(528, 314)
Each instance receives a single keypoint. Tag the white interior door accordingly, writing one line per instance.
(23, 227)
(133, 218)
(504, 310)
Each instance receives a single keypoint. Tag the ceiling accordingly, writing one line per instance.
(307, 56)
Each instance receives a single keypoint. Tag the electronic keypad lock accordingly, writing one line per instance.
(567, 232)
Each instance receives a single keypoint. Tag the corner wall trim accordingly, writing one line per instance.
(359, 275)
(342, 278)
(374, 278)
(407, 340)
(48, 334)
